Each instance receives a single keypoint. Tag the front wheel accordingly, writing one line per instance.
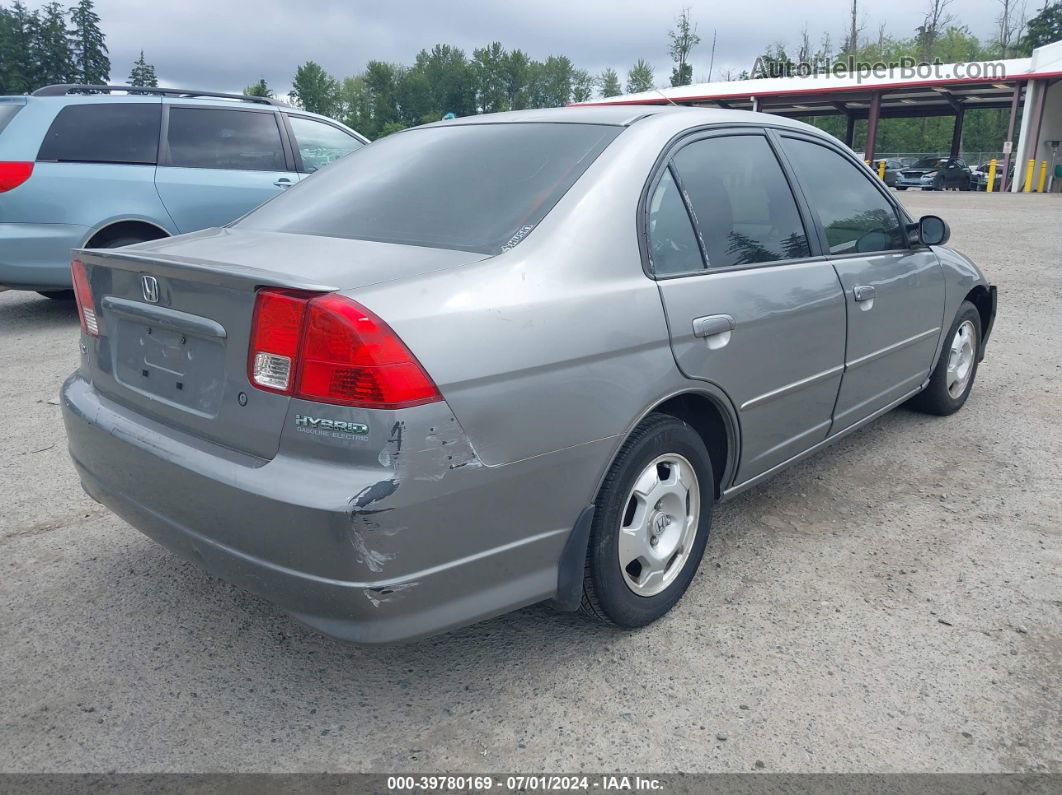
(953, 377)
(651, 523)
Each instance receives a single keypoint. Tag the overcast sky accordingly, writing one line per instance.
(227, 44)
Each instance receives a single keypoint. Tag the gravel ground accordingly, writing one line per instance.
(893, 604)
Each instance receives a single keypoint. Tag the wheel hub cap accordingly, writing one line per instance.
(961, 358)
(659, 524)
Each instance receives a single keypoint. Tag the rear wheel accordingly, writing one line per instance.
(953, 377)
(651, 523)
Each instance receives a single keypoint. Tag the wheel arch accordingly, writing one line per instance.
(126, 226)
(980, 297)
(709, 411)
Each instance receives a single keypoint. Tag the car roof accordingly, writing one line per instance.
(70, 95)
(624, 116)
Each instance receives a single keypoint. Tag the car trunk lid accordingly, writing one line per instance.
(175, 321)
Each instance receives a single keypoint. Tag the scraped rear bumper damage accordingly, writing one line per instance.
(426, 540)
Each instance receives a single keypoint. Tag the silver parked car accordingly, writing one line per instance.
(511, 358)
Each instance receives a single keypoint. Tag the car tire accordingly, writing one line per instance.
(58, 295)
(651, 522)
(953, 377)
(901, 187)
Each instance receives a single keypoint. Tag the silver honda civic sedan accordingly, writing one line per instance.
(508, 359)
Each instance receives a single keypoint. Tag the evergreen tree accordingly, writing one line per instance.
(51, 47)
(608, 82)
(88, 47)
(143, 74)
(640, 77)
(18, 64)
(1044, 28)
(259, 89)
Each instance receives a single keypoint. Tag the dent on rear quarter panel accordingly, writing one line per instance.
(391, 476)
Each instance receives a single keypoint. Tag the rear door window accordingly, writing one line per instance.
(856, 216)
(114, 132)
(319, 143)
(7, 112)
(673, 247)
(741, 200)
(243, 140)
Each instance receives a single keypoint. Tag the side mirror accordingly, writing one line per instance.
(933, 231)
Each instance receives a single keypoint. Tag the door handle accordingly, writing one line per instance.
(284, 182)
(863, 292)
(714, 328)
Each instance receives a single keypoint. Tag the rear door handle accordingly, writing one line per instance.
(284, 182)
(714, 328)
(863, 292)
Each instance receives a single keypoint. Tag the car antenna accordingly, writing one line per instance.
(665, 96)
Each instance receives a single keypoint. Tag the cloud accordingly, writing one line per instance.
(227, 44)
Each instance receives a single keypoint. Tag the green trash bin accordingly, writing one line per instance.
(1058, 170)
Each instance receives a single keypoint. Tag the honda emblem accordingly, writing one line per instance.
(149, 285)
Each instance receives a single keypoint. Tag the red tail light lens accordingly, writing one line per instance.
(14, 174)
(86, 308)
(350, 357)
(329, 349)
(275, 333)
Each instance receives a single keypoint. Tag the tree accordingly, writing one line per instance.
(683, 39)
(609, 83)
(555, 82)
(355, 104)
(851, 42)
(774, 62)
(143, 74)
(1010, 26)
(488, 68)
(516, 76)
(640, 78)
(1044, 28)
(18, 63)
(259, 89)
(582, 85)
(934, 22)
(54, 58)
(381, 85)
(88, 45)
(315, 90)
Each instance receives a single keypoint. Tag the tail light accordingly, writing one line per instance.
(14, 174)
(86, 308)
(330, 349)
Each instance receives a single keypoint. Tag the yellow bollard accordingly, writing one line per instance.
(1028, 176)
(881, 170)
(1043, 177)
(991, 176)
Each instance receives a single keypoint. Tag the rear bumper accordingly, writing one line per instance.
(37, 256)
(301, 534)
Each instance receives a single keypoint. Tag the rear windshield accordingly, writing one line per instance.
(7, 112)
(476, 187)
